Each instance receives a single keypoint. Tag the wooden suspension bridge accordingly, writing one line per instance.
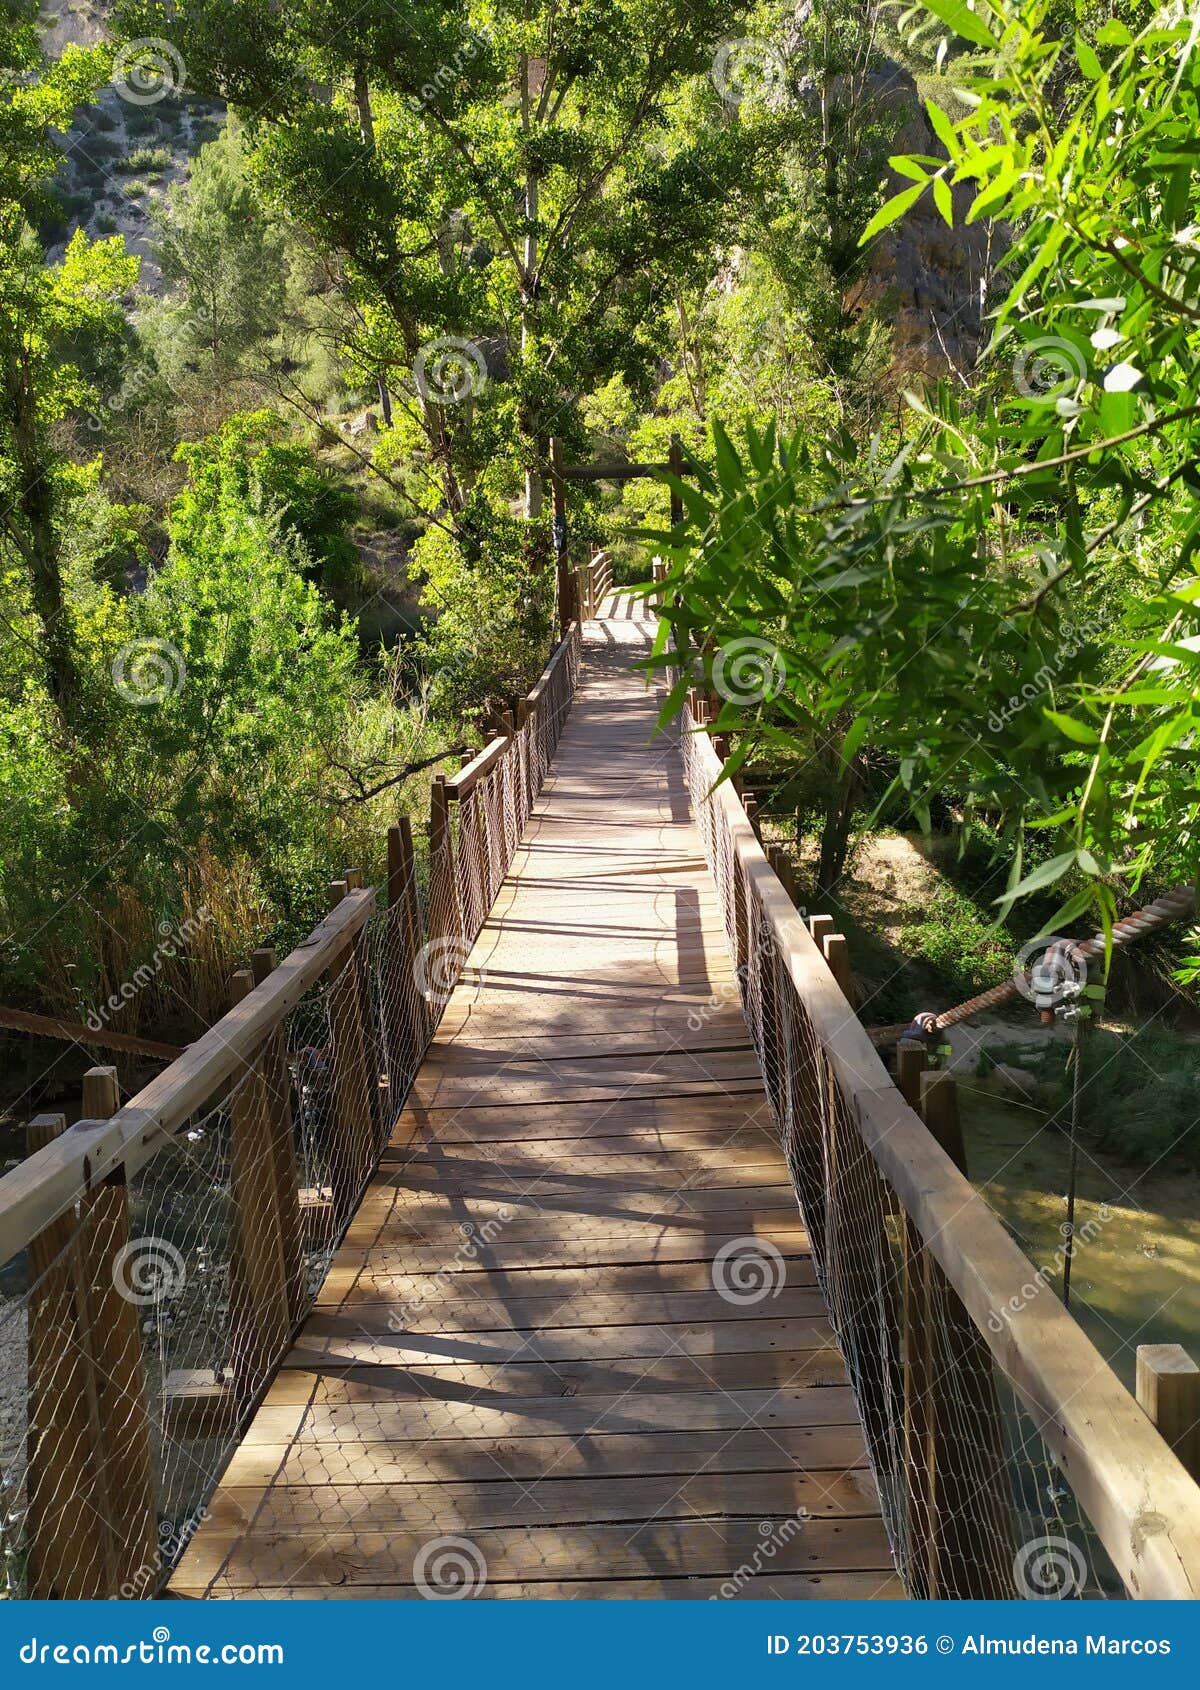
(554, 1229)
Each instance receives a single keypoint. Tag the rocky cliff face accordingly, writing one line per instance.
(125, 150)
(935, 278)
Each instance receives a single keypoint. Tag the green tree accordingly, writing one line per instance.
(251, 460)
(45, 314)
(506, 185)
(225, 257)
(1008, 608)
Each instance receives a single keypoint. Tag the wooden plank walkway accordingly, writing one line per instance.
(528, 1340)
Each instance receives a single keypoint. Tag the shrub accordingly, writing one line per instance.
(146, 158)
(493, 629)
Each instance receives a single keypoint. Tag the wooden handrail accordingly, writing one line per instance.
(46, 1184)
(458, 786)
(1142, 1503)
(556, 657)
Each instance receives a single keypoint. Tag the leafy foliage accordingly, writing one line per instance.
(1006, 606)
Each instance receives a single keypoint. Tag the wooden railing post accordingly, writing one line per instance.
(352, 1152)
(259, 1309)
(820, 926)
(675, 464)
(277, 1083)
(407, 1010)
(70, 1549)
(1168, 1389)
(445, 910)
(837, 955)
(119, 1366)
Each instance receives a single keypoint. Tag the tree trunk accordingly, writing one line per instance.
(362, 101)
(533, 474)
(839, 819)
(36, 536)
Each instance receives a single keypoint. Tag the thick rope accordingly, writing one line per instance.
(1172, 906)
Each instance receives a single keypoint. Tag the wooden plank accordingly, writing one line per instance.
(310, 1377)
(528, 1417)
(515, 1198)
(603, 1454)
(762, 1586)
(614, 1551)
(492, 1305)
(473, 1257)
(352, 1282)
(550, 1502)
(348, 1339)
(663, 1115)
(1168, 1390)
(650, 1237)
(468, 777)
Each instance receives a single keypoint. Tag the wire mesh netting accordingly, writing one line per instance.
(974, 1503)
(140, 1328)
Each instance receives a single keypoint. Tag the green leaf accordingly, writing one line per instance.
(905, 166)
(1089, 64)
(1044, 875)
(942, 127)
(943, 200)
(892, 212)
(1073, 729)
(855, 734)
(962, 20)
